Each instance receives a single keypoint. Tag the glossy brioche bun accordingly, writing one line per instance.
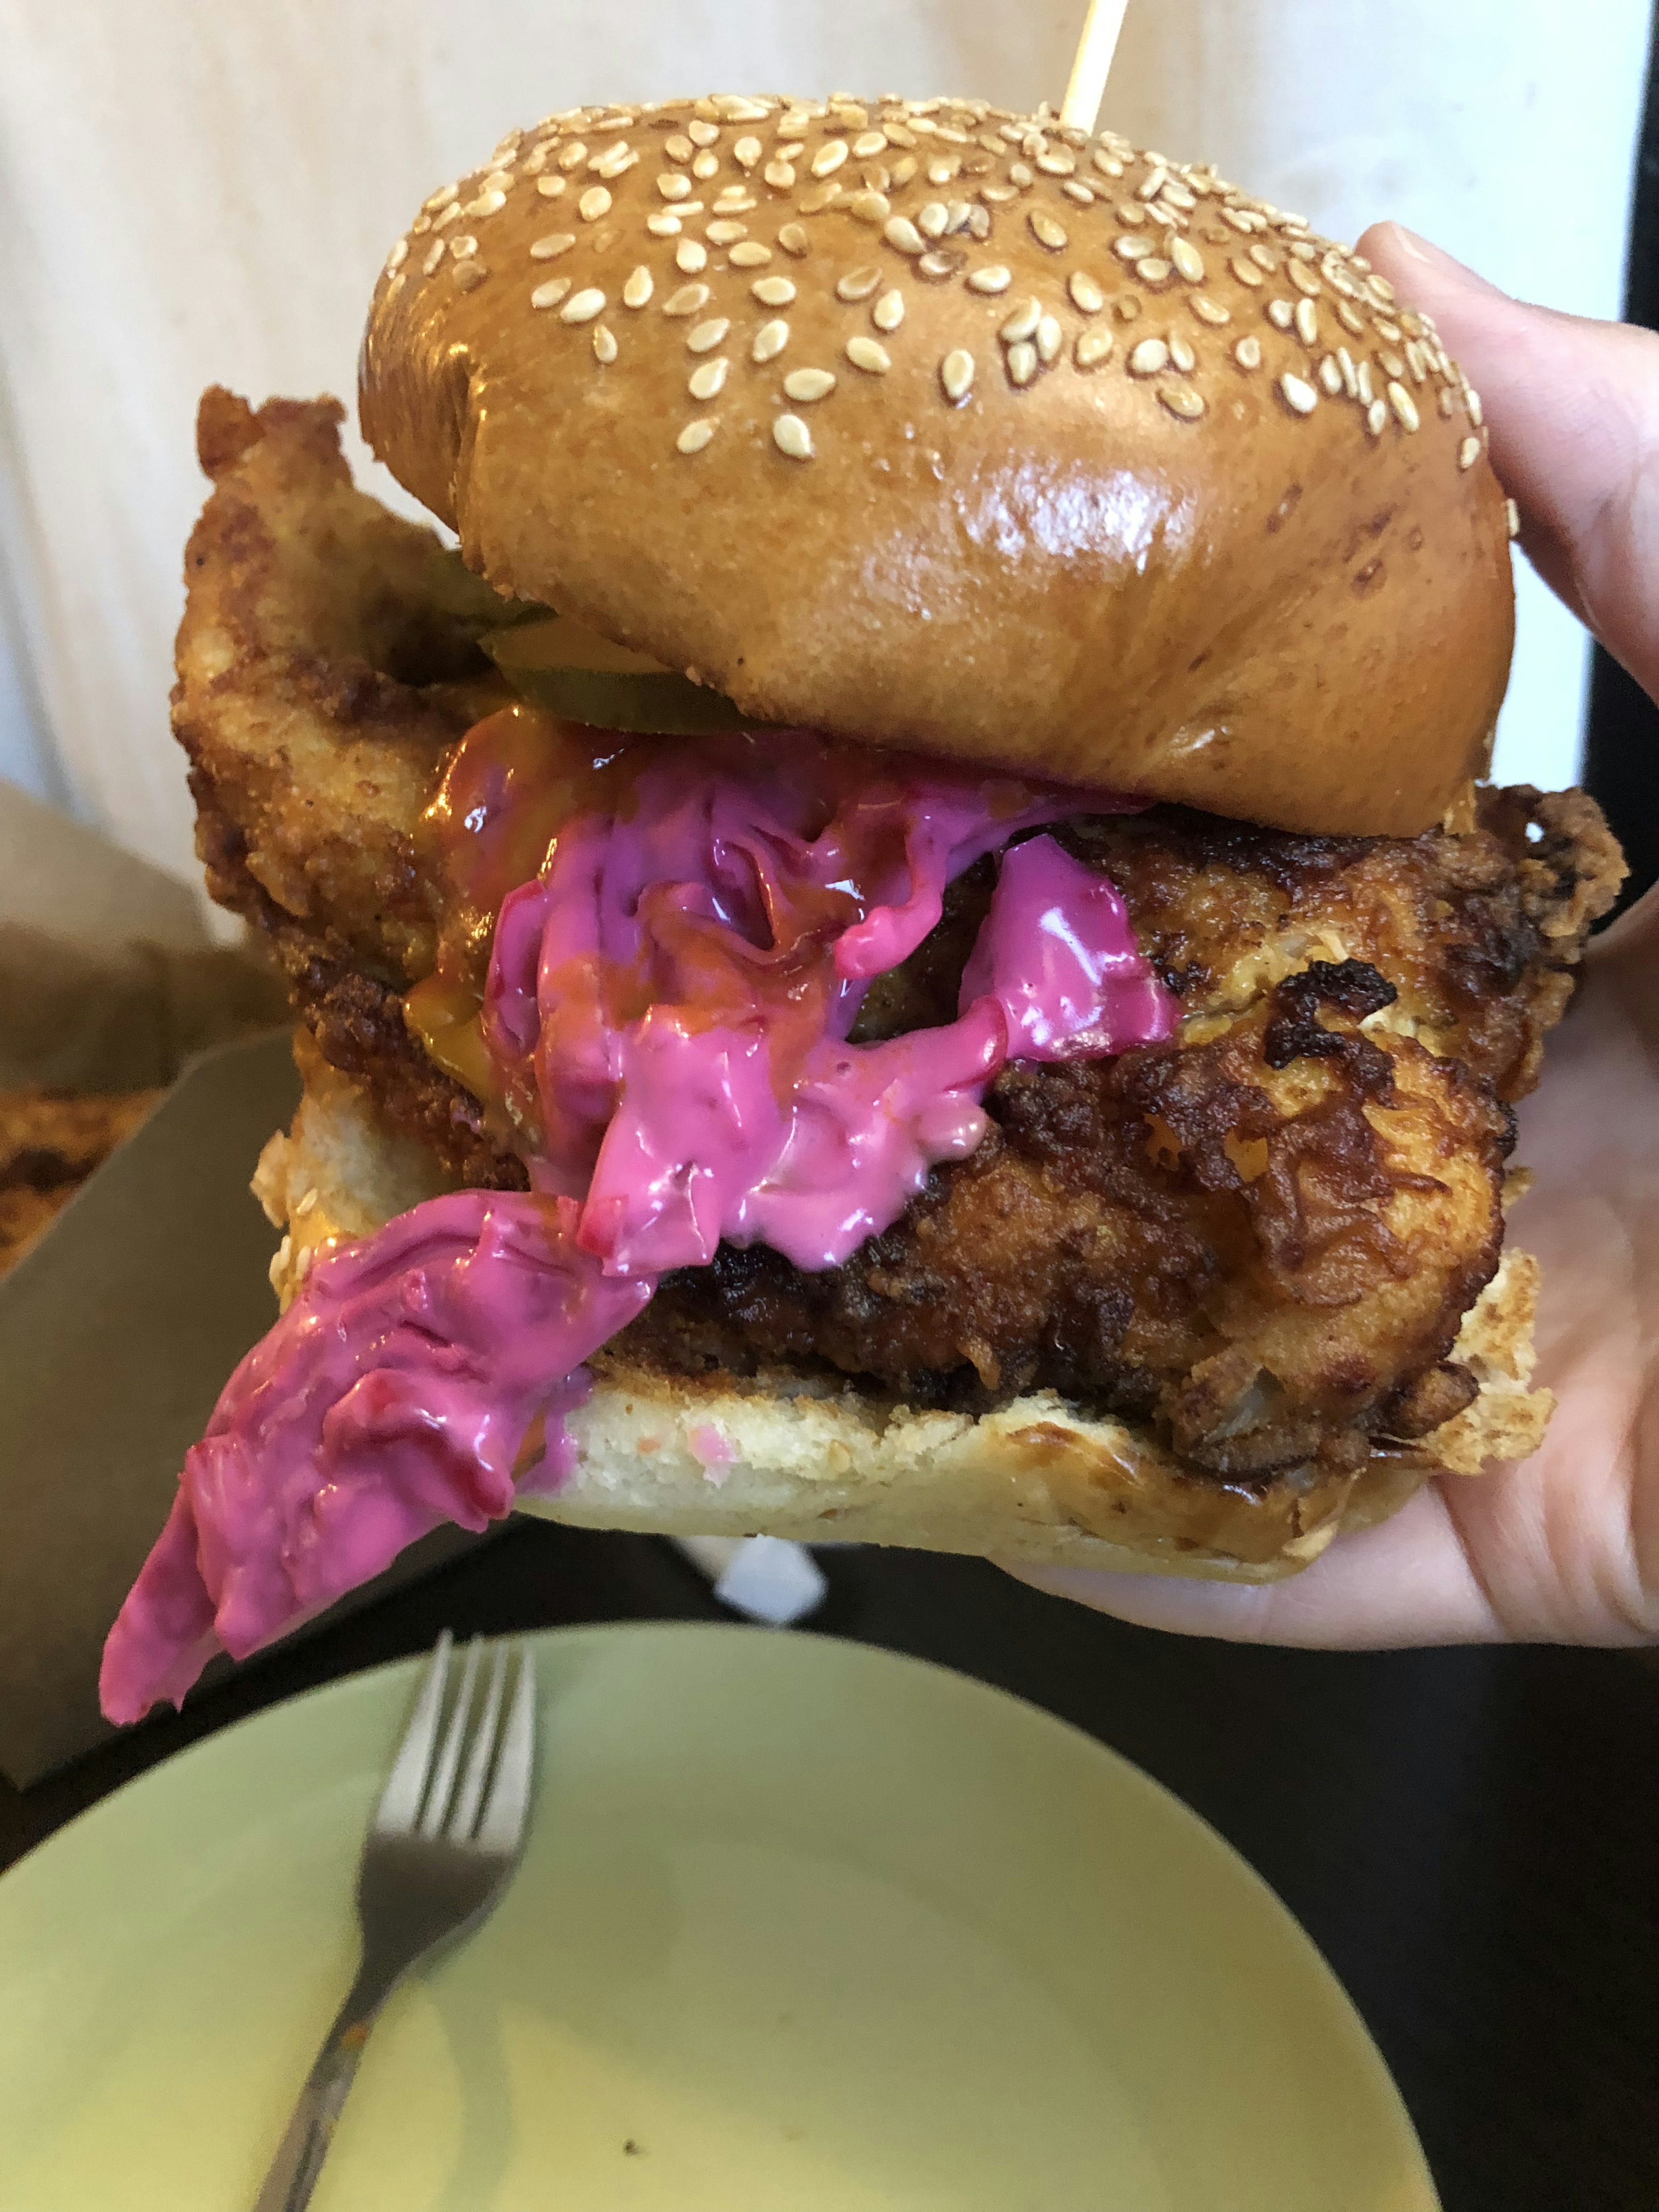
(927, 426)
(1036, 1481)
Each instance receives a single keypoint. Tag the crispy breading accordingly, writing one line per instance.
(1263, 1241)
(50, 1143)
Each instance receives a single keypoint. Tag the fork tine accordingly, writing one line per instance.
(465, 1817)
(449, 1755)
(400, 1801)
(501, 1828)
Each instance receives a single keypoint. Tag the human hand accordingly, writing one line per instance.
(1564, 1547)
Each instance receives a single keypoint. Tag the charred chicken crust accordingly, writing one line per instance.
(1261, 1240)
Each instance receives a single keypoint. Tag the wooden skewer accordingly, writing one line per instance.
(1093, 65)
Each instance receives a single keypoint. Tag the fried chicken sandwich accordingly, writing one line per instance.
(909, 943)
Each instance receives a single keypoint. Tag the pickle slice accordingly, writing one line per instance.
(571, 670)
(466, 599)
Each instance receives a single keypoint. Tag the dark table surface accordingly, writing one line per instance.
(1471, 1838)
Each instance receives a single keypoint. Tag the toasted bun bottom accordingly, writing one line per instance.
(785, 1456)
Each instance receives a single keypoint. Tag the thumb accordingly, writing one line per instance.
(1573, 407)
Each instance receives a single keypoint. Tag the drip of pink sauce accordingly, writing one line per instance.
(672, 1000)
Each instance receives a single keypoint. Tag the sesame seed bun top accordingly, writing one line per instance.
(928, 425)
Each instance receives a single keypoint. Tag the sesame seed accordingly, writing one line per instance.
(1049, 339)
(750, 254)
(1181, 354)
(1189, 261)
(550, 293)
(1379, 289)
(1152, 269)
(1350, 321)
(1105, 163)
(1377, 416)
(398, 256)
(1468, 453)
(1303, 279)
(736, 109)
(979, 223)
(1046, 231)
(1248, 353)
(450, 214)
(871, 207)
(1405, 407)
(687, 300)
(1299, 396)
(1086, 295)
(551, 188)
(956, 375)
(1281, 314)
(869, 145)
(1363, 378)
(1181, 399)
(1023, 323)
(902, 235)
(440, 199)
(932, 219)
(828, 157)
(1349, 373)
(583, 306)
(703, 338)
(486, 203)
(468, 275)
(1092, 348)
(1079, 192)
(1132, 248)
(1393, 365)
(593, 203)
(638, 289)
(857, 284)
(809, 384)
(793, 240)
(864, 353)
(992, 279)
(604, 344)
(779, 176)
(1209, 311)
(746, 153)
(550, 247)
(1020, 175)
(722, 231)
(678, 149)
(889, 311)
(773, 291)
(1330, 375)
(1512, 516)
(1472, 401)
(795, 124)
(690, 256)
(944, 261)
(1149, 357)
(1307, 322)
(770, 340)
(997, 194)
(709, 378)
(791, 436)
(674, 186)
(941, 172)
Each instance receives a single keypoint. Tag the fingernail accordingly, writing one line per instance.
(1430, 256)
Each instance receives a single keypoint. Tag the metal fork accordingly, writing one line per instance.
(436, 1859)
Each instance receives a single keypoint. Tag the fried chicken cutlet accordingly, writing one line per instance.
(1262, 1240)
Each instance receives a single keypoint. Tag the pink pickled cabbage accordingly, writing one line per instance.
(670, 1000)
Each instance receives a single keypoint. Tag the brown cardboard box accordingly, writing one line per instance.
(118, 1328)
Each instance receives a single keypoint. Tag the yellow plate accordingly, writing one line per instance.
(801, 1927)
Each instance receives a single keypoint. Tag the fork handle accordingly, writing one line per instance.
(299, 2160)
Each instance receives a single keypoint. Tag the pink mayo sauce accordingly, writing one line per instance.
(668, 1005)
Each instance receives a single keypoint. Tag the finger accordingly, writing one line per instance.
(1573, 408)
(1407, 1583)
